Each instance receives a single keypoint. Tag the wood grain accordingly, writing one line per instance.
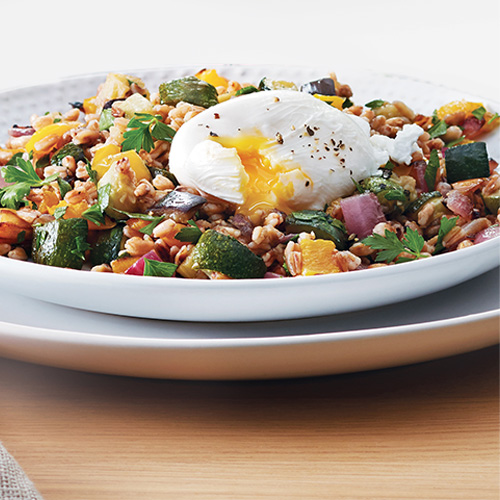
(427, 431)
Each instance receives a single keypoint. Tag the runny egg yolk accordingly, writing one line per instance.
(265, 188)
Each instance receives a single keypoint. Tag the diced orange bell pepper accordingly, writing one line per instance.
(122, 264)
(12, 227)
(317, 257)
(334, 100)
(455, 106)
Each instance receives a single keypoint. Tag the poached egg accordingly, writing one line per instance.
(274, 149)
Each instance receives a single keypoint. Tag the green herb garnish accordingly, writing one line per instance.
(246, 90)
(189, 234)
(445, 227)
(143, 130)
(24, 177)
(479, 112)
(431, 170)
(377, 103)
(438, 129)
(59, 212)
(157, 268)
(493, 118)
(95, 213)
(390, 246)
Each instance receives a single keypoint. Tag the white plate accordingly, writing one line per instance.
(412, 331)
(243, 300)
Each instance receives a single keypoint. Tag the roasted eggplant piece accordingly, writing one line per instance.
(178, 205)
(324, 86)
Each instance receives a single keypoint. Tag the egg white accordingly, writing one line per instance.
(313, 149)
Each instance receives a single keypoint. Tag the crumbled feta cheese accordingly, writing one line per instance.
(400, 148)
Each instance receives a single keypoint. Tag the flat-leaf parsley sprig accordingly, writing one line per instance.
(390, 246)
(143, 130)
(24, 177)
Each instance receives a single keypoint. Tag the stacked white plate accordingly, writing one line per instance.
(189, 329)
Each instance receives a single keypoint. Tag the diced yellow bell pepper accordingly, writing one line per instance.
(317, 257)
(334, 100)
(58, 129)
(210, 76)
(107, 155)
(12, 227)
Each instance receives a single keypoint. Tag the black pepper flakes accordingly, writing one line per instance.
(279, 138)
(309, 130)
(213, 134)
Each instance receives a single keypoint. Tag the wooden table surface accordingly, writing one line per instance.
(427, 431)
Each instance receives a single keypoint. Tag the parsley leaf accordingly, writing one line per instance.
(246, 90)
(445, 227)
(156, 268)
(143, 130)
(493, 118)
(95, 213)
(154, 221)
(59, 212)
(479, 112)
(431, 170)
(190, 234)
(81, 247)
(92, 173)
(390, 246)
(377, 103)
(438, 129)
(24, 177)
(64, 187)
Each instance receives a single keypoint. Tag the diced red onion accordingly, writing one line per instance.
(487, 234)
(472, 126)
(272, 275)
(418, 173)
(362, 213)
(459, 204)
(17, 131)
(137, 267)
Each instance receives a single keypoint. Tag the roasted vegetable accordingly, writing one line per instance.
(433, 198)
(69, 149)
(189, 89)
(268, 84)
(324, 86)
(179, 205)
(61, 243)
(467, 161)
(323, 225)
(121, 193)
(106, 120)
(107, 246)
(224, 254)
(492, 202)
(13, 229)
(390, 194)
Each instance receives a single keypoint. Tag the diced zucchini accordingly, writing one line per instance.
(323, 225)
(467, 161)
(224, 254)
(268, 84)
(61, 243)
(107, 246)
(69, 149)
(389, 193)
(189, 89)
(433, 197)
(492, 202)
(106, 120)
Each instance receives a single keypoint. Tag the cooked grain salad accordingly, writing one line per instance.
(209, 178)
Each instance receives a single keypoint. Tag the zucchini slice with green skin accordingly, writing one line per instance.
(323, 225)
(433, 197)
(61, 243)
(189, 89)
(467, 161)
(389, 193)
(224, 254)
(492, 202)
(268, 84)
(107, 246)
